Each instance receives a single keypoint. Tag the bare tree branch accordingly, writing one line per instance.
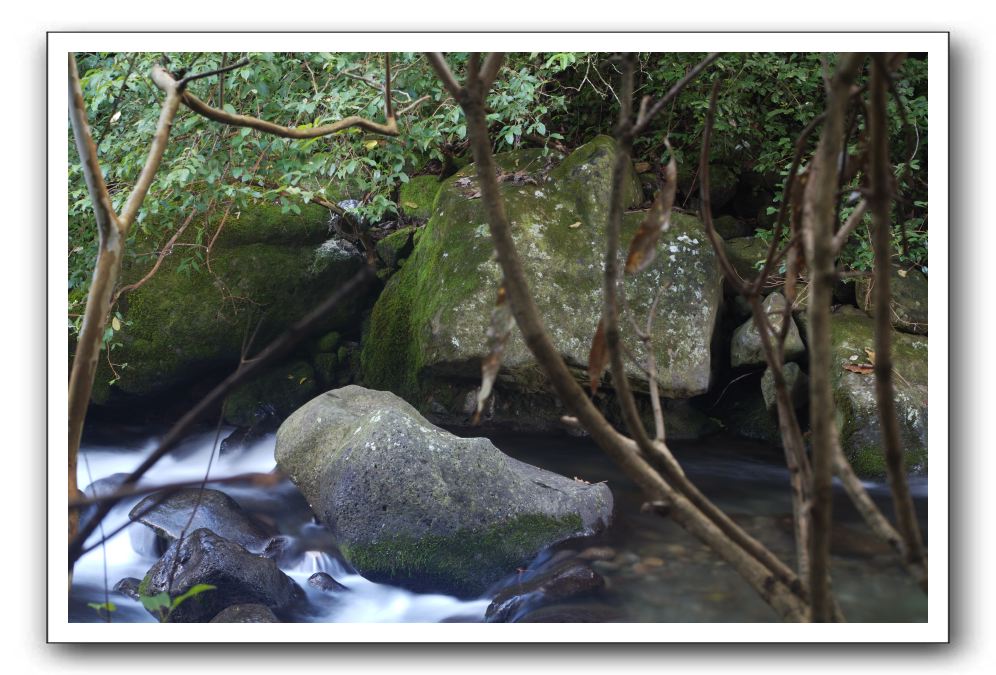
(880, 203)
(819, 212)
(165, 81)
(438, 63)
(840, 239)
(623, 451)
(489, 71)
(642, 123)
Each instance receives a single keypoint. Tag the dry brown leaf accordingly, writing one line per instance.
(860, 368)
(871, 355)
(501, 326)
(643, 248)
(598, 358)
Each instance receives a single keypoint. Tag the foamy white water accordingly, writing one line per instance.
(129, 553)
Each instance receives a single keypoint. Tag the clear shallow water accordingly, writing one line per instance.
(654, 571)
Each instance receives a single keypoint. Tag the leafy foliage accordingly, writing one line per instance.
(766, 99)
(162, 605)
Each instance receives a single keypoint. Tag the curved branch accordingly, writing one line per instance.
(648, 114)
(165, 81)
(444, 73)
(156, 151)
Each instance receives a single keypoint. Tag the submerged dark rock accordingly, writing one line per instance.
(216, 511)
(414, 505)
(566, 580)
(239, 578)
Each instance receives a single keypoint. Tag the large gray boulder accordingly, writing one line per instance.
(908, 309)
(238, 576)
(416, 506)
(430, 322)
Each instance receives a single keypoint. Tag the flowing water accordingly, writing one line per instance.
(653, 570)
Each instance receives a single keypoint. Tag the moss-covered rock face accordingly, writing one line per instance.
(415, 197)
(745, 253)
(431, 319)
(852, 332)
(395, 246)
(419, 507)
(909, 299)
(266, 268)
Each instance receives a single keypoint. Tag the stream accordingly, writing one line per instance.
(653, 570)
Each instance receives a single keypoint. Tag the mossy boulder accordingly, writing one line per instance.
(395, 246)
(266, 268)
(431, 319)
(418, 507)
(852, 333)
(909, 299)
(745, 347)
(415, 197)
(746, 254)
(730, 227)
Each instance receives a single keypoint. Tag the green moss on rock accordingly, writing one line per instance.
(852, 333)
(432, 316)
(466, 561)
(746, 254)
(266, 269)
(395, 246)
(415, 198)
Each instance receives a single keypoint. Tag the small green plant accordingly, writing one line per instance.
(162, 606)
(103, 609)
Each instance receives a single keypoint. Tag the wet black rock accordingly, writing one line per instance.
(128, 587)
(216, 511)
(569, 579)
(239, 577)
(324, 582)
(248, 613)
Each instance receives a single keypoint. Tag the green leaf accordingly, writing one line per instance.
(155, 603)
(193, 592)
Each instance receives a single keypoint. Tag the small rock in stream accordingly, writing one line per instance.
(128, 587)
(216, 511)
(598, 553)
(324, 582)
(239, 577)
(567, 580)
